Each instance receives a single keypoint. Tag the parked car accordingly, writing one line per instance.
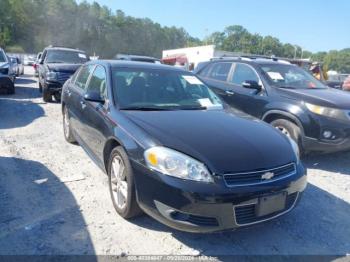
(28, 60)
(36, 64)
(194, 163)
(138, 58)
(57, 64)
(346, 84)
(7, 75)
(287, 97)
(336, 81)
(14, 65)
(20, 67)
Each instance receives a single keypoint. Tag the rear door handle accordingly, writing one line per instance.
(230, 93)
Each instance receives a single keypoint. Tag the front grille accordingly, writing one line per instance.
(4, 71)
(257, 177)
(63, 77)
(246, 214)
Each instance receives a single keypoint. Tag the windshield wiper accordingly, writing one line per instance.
(286, 87)
(192, 108)
(146, 108)
(56, 62)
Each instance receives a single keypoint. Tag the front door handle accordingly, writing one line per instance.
(83, 104)
(229, 92)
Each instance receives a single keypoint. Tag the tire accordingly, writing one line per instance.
(67, 128)
(57, 97)
(289, 129)
(9, 86)
(128, 208)
(47, 96)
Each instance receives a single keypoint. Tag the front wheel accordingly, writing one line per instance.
(47, 96)
(121, 184)
(67, 128)
(289, 129)
(57, 97)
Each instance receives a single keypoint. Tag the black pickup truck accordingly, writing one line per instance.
(56, 66)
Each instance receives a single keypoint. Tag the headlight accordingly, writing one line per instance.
(176, 164)
(295, 149)
(51, 76)
(327, 111)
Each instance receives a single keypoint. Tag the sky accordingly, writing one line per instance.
(315, 25)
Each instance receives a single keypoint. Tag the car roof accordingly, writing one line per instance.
(64, 49)
(137, 65)
(122, 56)
(259, 61)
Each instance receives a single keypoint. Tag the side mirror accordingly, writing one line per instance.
(251, 84)
(94, 96)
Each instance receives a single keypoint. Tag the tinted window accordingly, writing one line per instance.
(220, 71)
(98, 82)
(64, 56)
(83, 76)
(205, 70)
(2, 57)
(164, 89)
(244, 73)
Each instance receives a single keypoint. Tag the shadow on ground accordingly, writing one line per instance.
(17, 110)
(337, 162)
(320, 225)
(38, 213)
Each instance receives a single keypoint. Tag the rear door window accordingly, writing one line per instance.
(244, 73)
(83, 76)
(97, 82)
(220, 71)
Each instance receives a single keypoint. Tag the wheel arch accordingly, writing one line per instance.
(108, 148)
(272, 115)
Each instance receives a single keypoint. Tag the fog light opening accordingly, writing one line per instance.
(327, 134)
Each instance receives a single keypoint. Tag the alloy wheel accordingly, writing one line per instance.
(284, 131)
(119, 184)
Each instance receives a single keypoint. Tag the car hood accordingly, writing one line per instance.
(329, 97)
(224, 142)
(66, 68)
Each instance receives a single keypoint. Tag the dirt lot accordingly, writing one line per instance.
(54, 200)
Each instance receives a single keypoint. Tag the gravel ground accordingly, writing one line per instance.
(54, 200)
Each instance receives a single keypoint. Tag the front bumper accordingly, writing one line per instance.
(198, 207)
(340, 142)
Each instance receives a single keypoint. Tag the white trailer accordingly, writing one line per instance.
(190, 57)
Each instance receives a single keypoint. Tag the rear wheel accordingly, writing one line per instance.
(121, 184)
(289, 129)
(47, 96)
(67, 129)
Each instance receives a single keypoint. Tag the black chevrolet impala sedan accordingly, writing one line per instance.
(174, 150)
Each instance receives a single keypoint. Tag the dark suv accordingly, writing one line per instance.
(56, 66)
(286, 96)
(7, 74)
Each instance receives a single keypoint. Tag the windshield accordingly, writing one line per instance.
(67, 57)
(289, 76)
(2, 57)
(141, 89)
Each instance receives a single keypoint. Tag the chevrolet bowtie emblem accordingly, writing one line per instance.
(267, 176)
